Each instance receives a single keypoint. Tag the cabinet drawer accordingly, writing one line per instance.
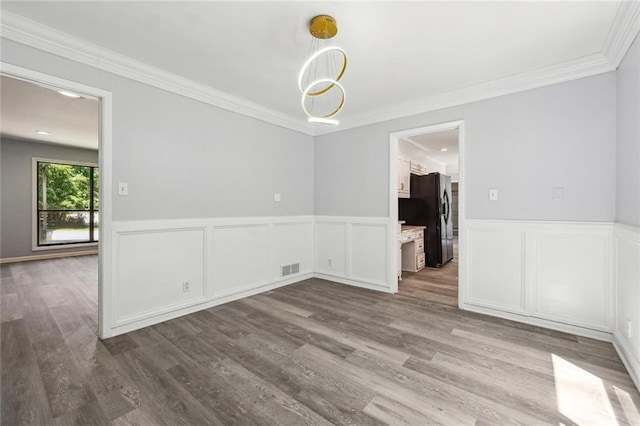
(419, 234)
(419, 245)
(420, 261)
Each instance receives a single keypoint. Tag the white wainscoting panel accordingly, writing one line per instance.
(496, 263)
(571, 279)
(293, 243)
(331, 248)
(369, 260)
(153, 282)
(223, 259)
(627, 285)
(240, 258)
(356, 247)
(554, 274)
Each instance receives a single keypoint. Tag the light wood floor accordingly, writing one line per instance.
(311, 353)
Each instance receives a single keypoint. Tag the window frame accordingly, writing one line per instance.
(35, 242)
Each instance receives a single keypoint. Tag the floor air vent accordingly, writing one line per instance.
(290, 269)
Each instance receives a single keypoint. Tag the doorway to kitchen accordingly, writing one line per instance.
(427, 203)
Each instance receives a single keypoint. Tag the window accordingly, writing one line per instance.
(66, 203)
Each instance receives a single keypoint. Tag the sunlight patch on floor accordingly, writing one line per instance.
(581, 396)
(629, 408)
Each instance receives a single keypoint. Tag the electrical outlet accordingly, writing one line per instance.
(330, 262)
(628, 328)
(493, 195)
(185, 286)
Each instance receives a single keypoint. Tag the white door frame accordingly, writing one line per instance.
(393, 201)
(106, 172)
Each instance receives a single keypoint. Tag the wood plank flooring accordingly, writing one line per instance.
(313, 353)
(439, 285)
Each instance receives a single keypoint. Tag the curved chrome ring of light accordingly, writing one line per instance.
(333, 83)
(313, 58)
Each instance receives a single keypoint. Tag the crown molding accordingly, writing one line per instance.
(560, 73)
(33, 34)
(623, 31)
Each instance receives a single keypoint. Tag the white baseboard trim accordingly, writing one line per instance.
(552, 325)
(47, 256)
(630, 362)
(199, 305)
(352, 282)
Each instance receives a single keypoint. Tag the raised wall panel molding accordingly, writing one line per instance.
(173, 256)
(367, 262)
(223, 259)
(627, 297)
(358, 249)
(513, 269)
(240, 257)
(496, 269)
(571, 277)
(30, 33)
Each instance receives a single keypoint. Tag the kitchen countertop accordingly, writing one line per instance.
(409, 228)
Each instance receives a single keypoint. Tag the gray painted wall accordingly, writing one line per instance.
(628, 149)
(186, 159)
(16, 191)
(522, 144)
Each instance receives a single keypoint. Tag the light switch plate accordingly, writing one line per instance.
(123, 188)
(277, 197)
(493, 194)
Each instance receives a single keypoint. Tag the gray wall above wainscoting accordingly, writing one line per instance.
(628, 149)
(522, 144)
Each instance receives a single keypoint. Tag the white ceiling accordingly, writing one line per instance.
(27, 107)
(402, 55)
(430, 145)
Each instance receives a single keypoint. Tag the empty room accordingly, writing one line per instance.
(351, 212)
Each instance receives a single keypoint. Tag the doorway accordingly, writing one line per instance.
(60, 131)
(427, 212)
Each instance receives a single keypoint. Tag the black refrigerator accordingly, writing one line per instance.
(430, 205)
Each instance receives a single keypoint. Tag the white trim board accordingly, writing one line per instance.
(106, 172)
(47, 256)
(34, 204)
(626, 253)
(394, 152)
(33, 34)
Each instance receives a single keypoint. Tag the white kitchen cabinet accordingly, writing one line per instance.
(404, 177)
(418, 169)
(413, 258)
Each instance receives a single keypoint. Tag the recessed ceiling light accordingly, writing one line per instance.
(68, 94)
(443, 149)
(43, 132)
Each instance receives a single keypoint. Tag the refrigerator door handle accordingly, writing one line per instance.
(446, 209)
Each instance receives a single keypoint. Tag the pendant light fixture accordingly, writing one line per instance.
(323, 95)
